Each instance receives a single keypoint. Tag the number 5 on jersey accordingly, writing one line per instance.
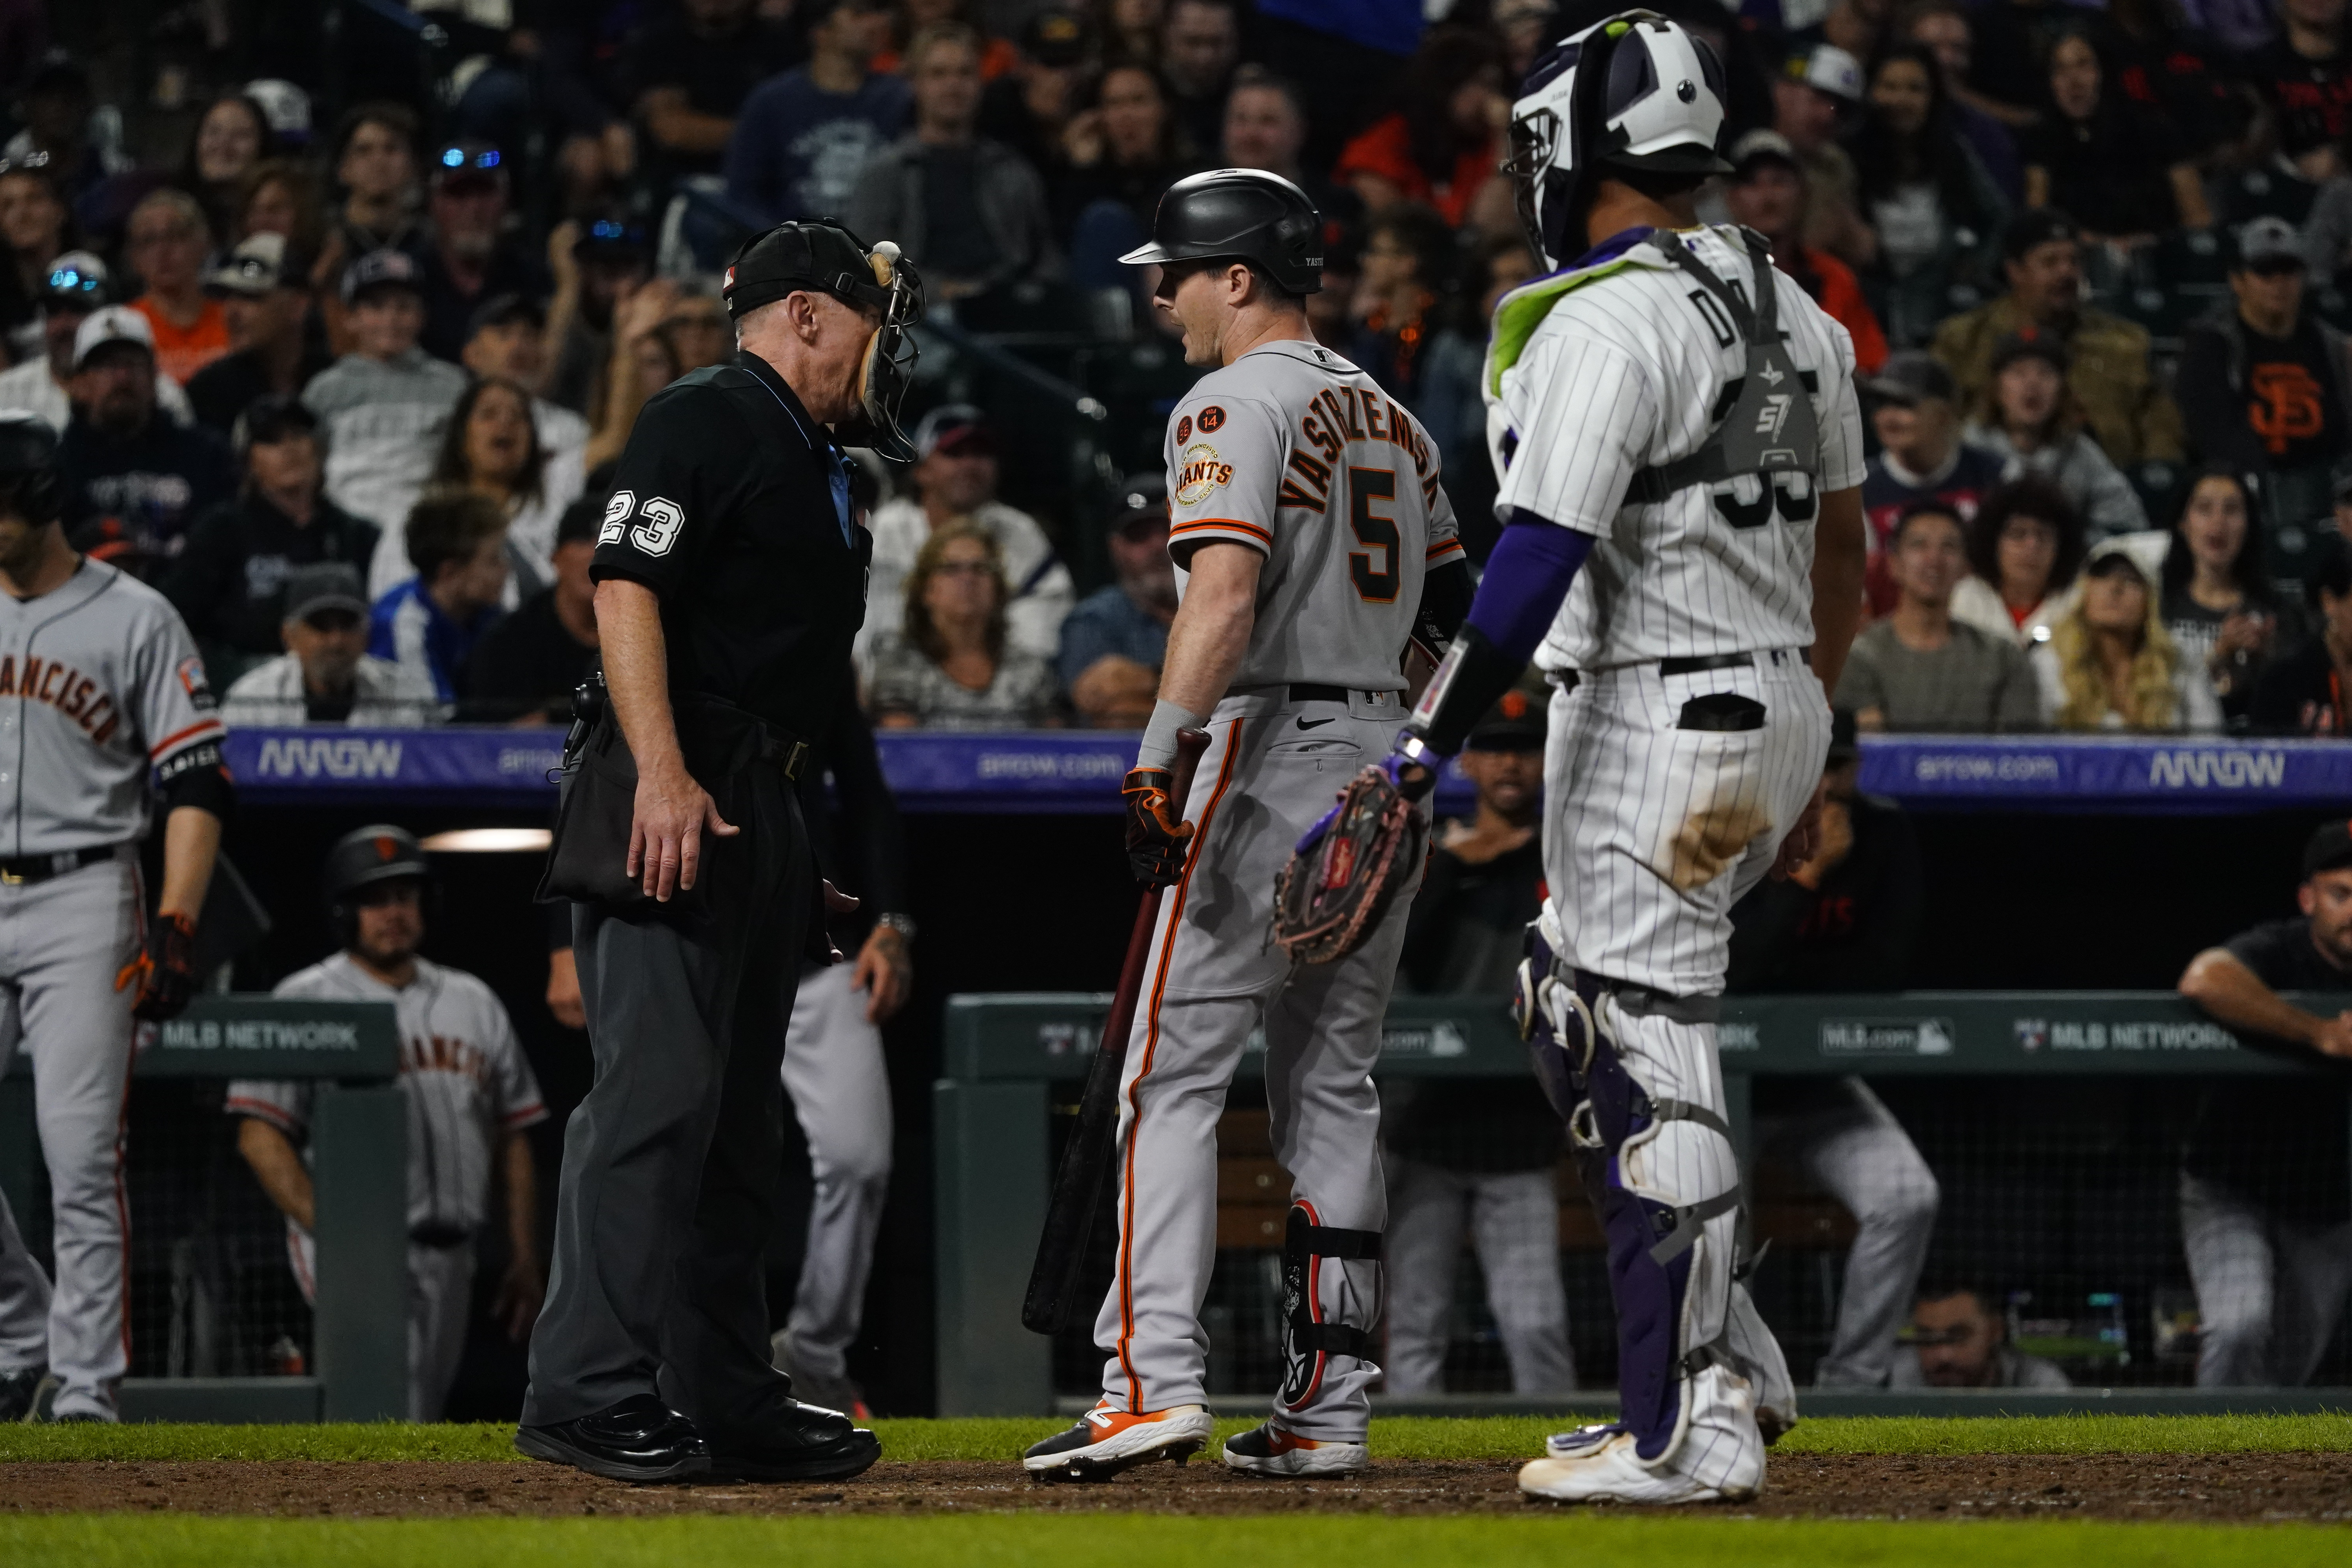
(1373, 569)
(656, 535)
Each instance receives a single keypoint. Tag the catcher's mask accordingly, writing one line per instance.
(1636, 92)
(826, 258)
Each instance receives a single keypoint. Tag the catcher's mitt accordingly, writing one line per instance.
(1339, 882)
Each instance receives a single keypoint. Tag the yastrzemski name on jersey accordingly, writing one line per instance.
(1628, 370)
(99, 683)
(1296, 453)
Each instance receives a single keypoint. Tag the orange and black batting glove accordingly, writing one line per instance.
(1156, 840)
(164, 971)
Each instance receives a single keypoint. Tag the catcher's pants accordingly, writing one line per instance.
(672, 1162)
(1274, 765)
(1861, 1156)
(1666, 798)
(440, 1300)
(2270, 1290)
(1513, 1217)
(840, 1090)
(62, 942)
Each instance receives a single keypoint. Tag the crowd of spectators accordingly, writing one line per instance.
(2092, 262)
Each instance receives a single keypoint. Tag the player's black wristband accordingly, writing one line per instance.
(1474, 673)
(1445, 596)
(197, 777)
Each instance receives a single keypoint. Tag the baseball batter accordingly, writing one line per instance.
(1314, 541)
(1678, 445)
(103, 697)
(470, 1095)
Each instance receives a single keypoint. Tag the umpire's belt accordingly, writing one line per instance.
(720, 739)
(41, 868)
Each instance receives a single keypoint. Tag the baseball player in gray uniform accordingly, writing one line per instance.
(102, 698)
(1314, 541)
(470, 1096)
(1679, 449)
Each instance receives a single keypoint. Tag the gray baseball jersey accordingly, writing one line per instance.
(99, 686)
(1295, 452)
(461, 1070)
(1627, 370)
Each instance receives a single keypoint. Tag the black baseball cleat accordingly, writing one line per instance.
(799, 1443)
(639, 1439)
(1107, 1441)
(21, 1392)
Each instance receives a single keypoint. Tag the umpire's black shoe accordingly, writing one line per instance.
(798, 1443)
(639, 1439)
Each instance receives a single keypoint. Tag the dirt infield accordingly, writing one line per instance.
(2200, 1486)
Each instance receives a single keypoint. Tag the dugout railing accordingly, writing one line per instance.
(1010, 1060)
(356, 1364)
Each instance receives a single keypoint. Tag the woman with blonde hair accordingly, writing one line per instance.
(949, 666)
(2109, 663)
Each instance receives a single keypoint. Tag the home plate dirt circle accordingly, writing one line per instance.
(2313, 1487)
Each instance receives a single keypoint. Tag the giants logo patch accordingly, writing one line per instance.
(1200, 474)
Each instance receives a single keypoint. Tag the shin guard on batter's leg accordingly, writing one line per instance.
(1323, 1316)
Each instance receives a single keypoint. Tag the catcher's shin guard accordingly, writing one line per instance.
(1566, 1015)
(1309, 1340)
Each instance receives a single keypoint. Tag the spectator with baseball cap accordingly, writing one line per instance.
(77, 283)
(134, 479)
(469, 257)
(1921, 457)
(1030, 106)
(1469, 1154)
(2027, 415)
(2110, 664)
(1767, 192)
(2264, 386)
(229, 583)
(1920, 669)
(2109, 368)
(1818, 91)
(326, 676)
(265, 292)
(382, 403)
(2267, 1174)
(1115, 640)
(525, 669)
(954, 480)
(802, 137)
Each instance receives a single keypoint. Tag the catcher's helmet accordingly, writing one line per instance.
(29, 483)
(363, 858)
(1636, 92)
(1247, 214)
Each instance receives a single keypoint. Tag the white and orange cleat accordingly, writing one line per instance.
(1269, 1450)
(1107, 1441)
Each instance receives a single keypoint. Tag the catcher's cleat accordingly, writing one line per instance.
(1611, 1473)
(1269, 1450)
(1107, 1441)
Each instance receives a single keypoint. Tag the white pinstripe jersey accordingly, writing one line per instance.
(1295, 452)
(1630, 371)
(99, 688)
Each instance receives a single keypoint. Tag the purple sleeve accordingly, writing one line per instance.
(1527, 577)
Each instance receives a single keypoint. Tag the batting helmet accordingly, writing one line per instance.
(1636, 93)
(1242, 214)
(362, 858)
(29, 483)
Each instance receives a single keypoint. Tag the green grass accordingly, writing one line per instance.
(1535, 1541)
(1423, 1437)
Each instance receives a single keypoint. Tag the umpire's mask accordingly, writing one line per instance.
(826, 258)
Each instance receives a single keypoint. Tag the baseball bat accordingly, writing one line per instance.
(1087, 1157)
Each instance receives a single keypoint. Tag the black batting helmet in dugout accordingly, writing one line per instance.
(1636, 92)
(1245, 215)
(827, 258)
(362, 858)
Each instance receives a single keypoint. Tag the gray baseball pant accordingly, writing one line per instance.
(1513, 1218)
(2270, 1290)
(840, 1090)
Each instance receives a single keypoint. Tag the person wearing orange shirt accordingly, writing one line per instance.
(1766, 194)
(166, 242)
(1443, 147)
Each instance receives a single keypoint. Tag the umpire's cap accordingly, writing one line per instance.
(366, 856)
(1242, 215)
(797, 257)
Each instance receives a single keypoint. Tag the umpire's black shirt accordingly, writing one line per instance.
(732, 505)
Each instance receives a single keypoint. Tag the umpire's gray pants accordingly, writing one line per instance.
(672, 1162)
(1860, 1154)
(2270, 1290)
(1513, 1217)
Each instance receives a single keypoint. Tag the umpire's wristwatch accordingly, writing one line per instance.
(903, 924)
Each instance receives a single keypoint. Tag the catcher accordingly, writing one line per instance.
(1314, 542)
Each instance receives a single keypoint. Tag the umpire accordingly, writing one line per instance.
(729, 581)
